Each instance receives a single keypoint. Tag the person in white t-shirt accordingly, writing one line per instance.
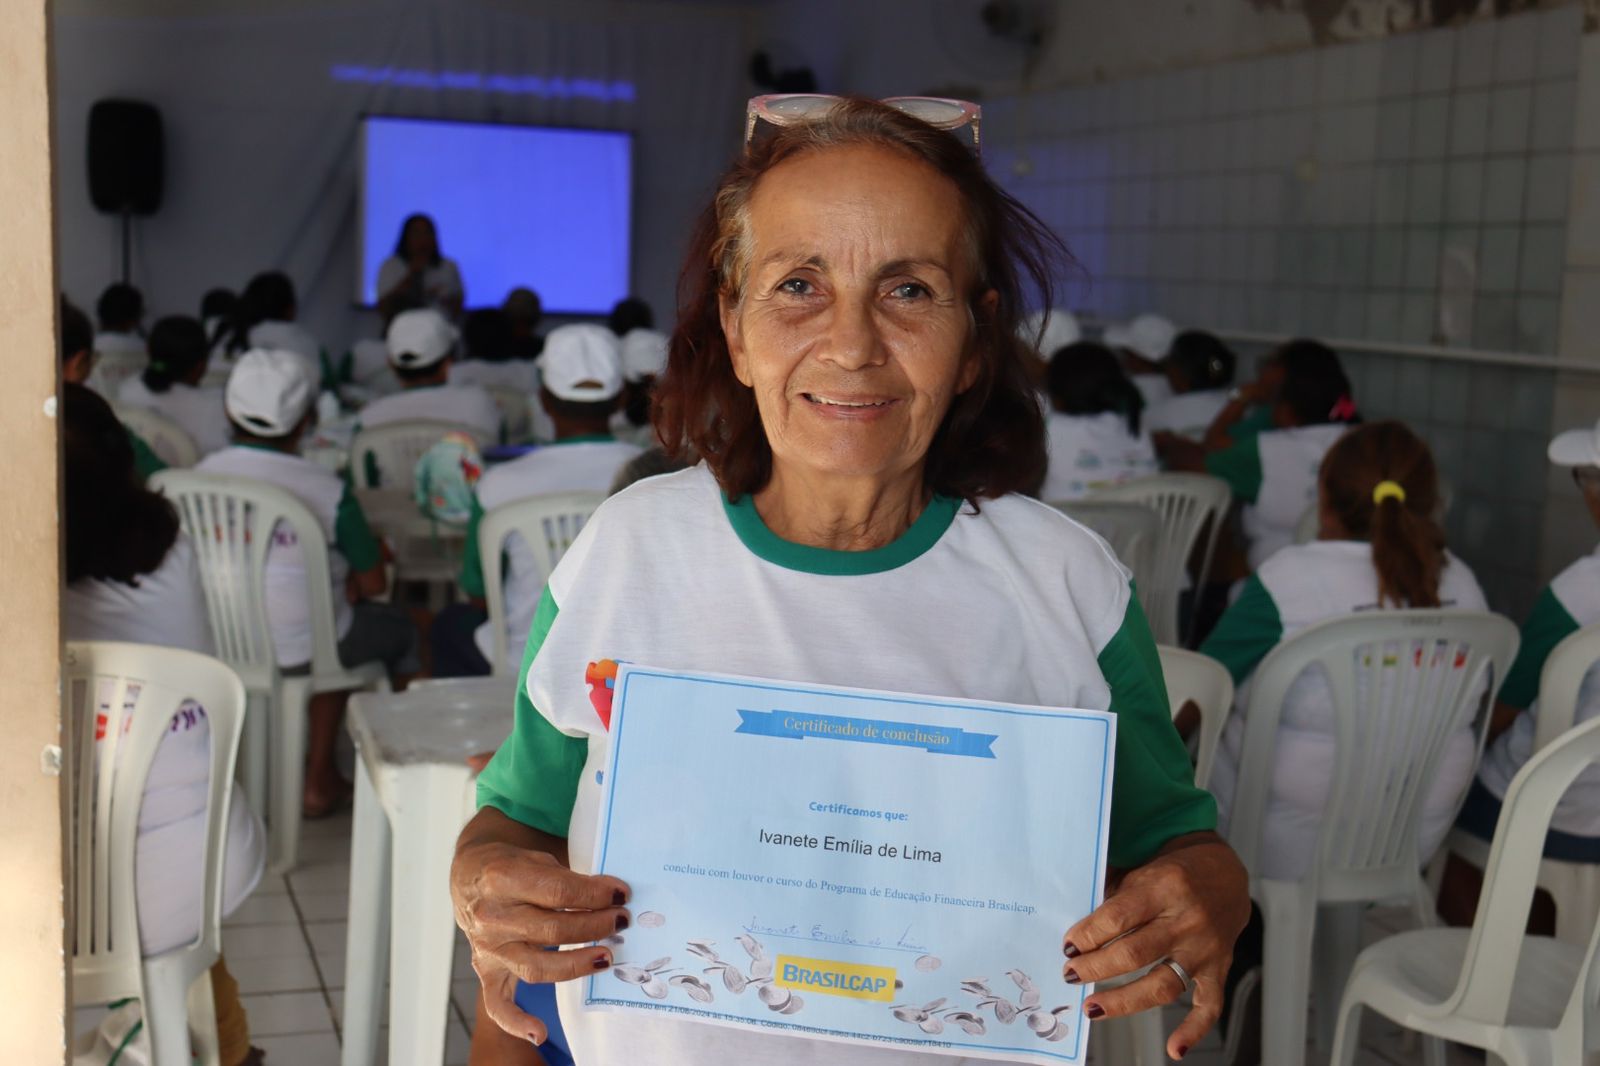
(422, 347)
(269, 401)
(1569, 603)
(1199, 368)
(1095, 437)
(131, 576)
(644, 357)
(1143, 344)
(846, 363)
(264, 318)
(582, 386)
(170, 384)
(119, 346)
(417, 274)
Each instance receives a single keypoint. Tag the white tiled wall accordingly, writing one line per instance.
(1334, 191)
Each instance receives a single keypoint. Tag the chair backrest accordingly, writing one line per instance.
(1192, 676)
(1186, 503)
(1560, 681)
(231, 522)
(386, 456)
(547, 525)
(104, 682)
(1483, 992)
(170, 441)
(1401, 683)
(515, 410)
(1132, 529)
(113, 367)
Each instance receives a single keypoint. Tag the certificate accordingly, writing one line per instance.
(853, 865)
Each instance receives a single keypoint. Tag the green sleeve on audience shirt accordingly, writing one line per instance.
(1548, 625)
(1240, 466)
(1154, 797)
(145, 460)
(1255, 422)
(353, 536)
(1246, 632)
(533, 778)
(471, 580)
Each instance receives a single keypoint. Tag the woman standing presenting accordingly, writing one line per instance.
(846, 365)
(417, 275)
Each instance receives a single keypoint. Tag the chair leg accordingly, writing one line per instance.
(1347, 1035)
(1338, 940)
(1290, 920)
(288, 773)
(166, 1014)
(202, 1009)
(253, 749)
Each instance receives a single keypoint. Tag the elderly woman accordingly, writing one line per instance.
(846, 366)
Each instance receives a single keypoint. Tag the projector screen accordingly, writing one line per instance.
(537, 206)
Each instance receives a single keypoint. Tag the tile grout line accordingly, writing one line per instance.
(316, 962)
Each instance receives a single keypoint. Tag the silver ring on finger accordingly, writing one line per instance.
(1183, 975)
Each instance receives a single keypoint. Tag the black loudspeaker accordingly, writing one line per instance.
(126, 147)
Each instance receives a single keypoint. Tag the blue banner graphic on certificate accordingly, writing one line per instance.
(854, 865)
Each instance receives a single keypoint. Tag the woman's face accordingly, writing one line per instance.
(420, 238)
(853, 328)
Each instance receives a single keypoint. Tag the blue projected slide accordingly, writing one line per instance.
(515, 205)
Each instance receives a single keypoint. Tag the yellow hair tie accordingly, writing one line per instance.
(1387, 490)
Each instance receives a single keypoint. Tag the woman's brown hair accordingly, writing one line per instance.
(1407, 544)
(991, 441)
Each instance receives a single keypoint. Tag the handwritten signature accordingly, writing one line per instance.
(822, 934)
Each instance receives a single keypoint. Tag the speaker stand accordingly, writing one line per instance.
(127, 245)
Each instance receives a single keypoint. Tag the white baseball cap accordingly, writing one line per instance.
(268, 392)
(644, 353)
(1060, 328)
(1577, 447)
(420, 339)
(1149, 334)
(581, 363)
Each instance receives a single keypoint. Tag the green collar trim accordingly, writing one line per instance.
(587, 438)
(923, 535)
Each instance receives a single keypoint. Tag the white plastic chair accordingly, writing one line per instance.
(1532, 1001)
(546, 526)
(1575, 886)
(1402, 683)
(173, 988)
(170, 441)
(386, 456)
(1132, 529)
(112, 368)
(231, 522)
(1192, 676)
(1185, 502)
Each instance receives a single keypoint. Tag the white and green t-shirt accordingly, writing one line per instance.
(577, 464)
(461, 405)
(1089, 452)
(1274, 474)
(1014, 603)
(1188, 412)
(198, 411)
(1296, 588)
(351, 543)
(1570, 603)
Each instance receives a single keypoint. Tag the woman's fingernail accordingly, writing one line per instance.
(1183, 1049)
(622, 922)
(1072, 976)
(618, 898)
(601, 963)
(535, 1039)
(1070, 951)
(1094, 1010)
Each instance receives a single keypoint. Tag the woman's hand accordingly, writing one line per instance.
(1188, 904)
(514, 898)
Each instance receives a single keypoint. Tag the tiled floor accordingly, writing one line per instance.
(286, 947)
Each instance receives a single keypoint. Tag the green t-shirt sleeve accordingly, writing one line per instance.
(533, 778)
(1254, 423)
(471, 579)
(1246, 632)
(1154, 797)
(1240, 466)
(145, 460)
(1548, 625)
(353, 536)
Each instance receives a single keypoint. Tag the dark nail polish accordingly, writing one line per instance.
(1071, 951)
(1183, 1049)
(622, 922)
(602, 963)
(1094, 1010)
(618, 898)
(1072, 976)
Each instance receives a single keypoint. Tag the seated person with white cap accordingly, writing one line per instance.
(1143, 343)
(644, 357)
(582, 385)
(422, 347)
(1568, 604)
(269, 401)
